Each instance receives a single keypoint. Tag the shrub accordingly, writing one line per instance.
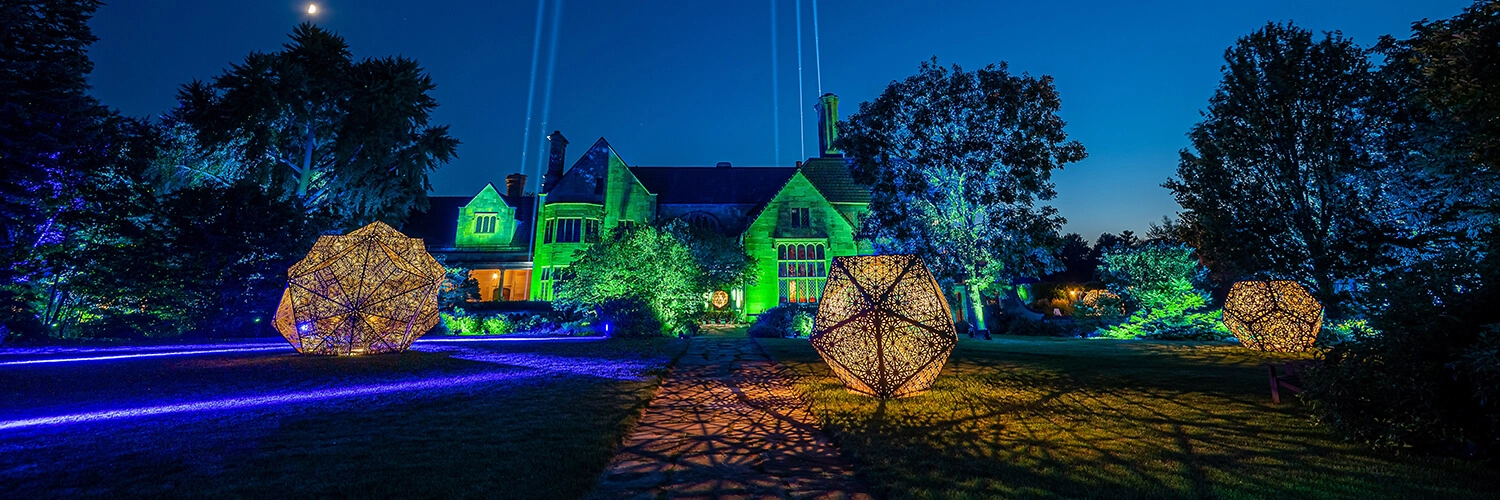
(1162, 282)
(495, 325)
(625, 317)
(666, 267)
(785, 321)
(1424, 375)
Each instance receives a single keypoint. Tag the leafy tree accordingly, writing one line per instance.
(1107, 242)
(1280, 180)
(54, 139)
(459, 287)
(650, 268)
(1077, 260)
(203, 259)
(723, 260)
(1425, 379)
(313, 123)
(1162, 283)
(957, 161)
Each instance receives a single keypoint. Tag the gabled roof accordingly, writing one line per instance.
(438, 226)
(585, 180)
(712, 185)
(831, 176)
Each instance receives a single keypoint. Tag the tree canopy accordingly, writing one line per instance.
(350, 136)
(1280, 179)
(957, 162)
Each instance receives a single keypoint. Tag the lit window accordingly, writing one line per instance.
(485, 223)
(801, 217)
(551, 278)
(801, 271)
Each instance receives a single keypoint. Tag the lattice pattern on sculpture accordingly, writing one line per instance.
(883, 325)
(371, 291)
(1099, 302)
(1278, 316)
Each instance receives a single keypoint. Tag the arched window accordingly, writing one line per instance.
(702, 220)
(801, 271)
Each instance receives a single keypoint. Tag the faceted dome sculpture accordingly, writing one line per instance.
(1097, 302)
(370, 291)
(883, 325)
(1278, 316)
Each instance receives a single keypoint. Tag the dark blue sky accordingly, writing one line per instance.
(689, 82)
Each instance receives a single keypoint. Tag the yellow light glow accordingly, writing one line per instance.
(883, 326)
(378, 298)
(720, 299)
(312, 8)
(1277, 316)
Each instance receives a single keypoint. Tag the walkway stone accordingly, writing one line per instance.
(727, 424)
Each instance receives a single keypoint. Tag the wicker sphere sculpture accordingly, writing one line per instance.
(371, 291)
(883, 325)
(1278, 316)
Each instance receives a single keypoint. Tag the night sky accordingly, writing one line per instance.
(689, 82)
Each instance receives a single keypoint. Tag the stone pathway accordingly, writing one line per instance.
(727, 424)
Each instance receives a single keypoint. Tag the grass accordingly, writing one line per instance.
(547, 432)
(1026, 417)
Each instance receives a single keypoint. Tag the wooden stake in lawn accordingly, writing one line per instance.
(1277, 316)
(371, 291)
(883, 325)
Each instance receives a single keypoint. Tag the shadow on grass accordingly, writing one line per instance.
(1022, 418)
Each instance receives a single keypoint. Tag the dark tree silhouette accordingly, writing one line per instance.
(1280, 179)
(345, 135)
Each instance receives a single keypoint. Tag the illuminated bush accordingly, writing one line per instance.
(883, 325)
(373, 290)
(1161, 285)
(1279, 316)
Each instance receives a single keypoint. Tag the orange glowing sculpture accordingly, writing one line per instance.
(371, 291)
(1092, 304)
(883, 325)
(1278, 316)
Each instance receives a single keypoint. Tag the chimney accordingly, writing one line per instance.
(828, 125)
(723, 164)
(555, 160)
(515, 184)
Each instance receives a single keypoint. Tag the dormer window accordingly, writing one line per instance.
(801, 217)
(486, 222)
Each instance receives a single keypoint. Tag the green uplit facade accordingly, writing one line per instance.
(793, 220)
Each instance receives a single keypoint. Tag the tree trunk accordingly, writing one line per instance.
(974, 304)
(307, 153)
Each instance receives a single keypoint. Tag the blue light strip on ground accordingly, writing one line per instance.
(144, 355)
(239, 348)
(266, 400)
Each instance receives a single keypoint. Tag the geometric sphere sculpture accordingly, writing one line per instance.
(1277, 316)
(883, 325)
(370, 291)
(1099, 302)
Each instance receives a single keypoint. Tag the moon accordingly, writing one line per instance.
(312, 8)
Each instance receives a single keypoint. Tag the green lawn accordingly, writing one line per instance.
(545, 432)
(1041, 417)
